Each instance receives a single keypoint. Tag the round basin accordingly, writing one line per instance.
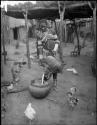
(39, 90)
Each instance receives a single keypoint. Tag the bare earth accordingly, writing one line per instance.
(49, 112)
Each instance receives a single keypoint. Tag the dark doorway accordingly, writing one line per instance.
(15, 33)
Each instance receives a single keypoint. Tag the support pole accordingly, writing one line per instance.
(37, 39)
(78, 45)
(94, 27)
(27, 41)
(56, 28)
(2, 72)
(37, 48)
(3, 37)
(61, 34)
(65, 32)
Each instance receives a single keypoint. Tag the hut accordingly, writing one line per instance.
(17, 29)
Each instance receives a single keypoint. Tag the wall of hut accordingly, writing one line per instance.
(22, 33)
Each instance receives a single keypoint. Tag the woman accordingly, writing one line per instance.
(50, 44)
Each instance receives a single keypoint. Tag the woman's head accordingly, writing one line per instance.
(44, 29)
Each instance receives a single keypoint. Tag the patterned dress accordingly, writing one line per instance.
(48, 43)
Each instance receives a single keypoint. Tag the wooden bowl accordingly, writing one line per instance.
(37, 90)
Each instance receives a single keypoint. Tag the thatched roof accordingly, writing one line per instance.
(13, 22)
(49, 10)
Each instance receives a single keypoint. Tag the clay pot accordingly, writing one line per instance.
(39, 91)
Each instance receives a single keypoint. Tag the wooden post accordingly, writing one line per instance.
(3, 37)
(37, 38)
(56, 30)
(65, 32)
(61, 34)
(37, 48)
(27, 41)
(94, 27)
(76, 31)
(2, 73)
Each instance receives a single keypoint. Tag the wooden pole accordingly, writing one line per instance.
(56, 29)
(76, 31)
(65, 32)
(2, 73)
(3, 37)
(61, 34)
(37, 47)
(27, 41)
(94, 27)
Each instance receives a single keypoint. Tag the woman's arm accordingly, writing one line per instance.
(56, 45)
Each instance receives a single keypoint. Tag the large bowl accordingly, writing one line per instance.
(37, 90)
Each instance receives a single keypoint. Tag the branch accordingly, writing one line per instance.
(90, 5)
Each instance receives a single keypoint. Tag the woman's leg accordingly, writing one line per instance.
(47, 74)
(55, 79)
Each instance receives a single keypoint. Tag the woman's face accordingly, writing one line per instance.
(44, 29)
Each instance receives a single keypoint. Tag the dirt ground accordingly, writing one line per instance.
(51, 112)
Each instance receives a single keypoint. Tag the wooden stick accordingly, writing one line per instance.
(56, 102)
(16, 90)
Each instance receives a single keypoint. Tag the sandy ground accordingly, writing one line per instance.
(49, 112)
